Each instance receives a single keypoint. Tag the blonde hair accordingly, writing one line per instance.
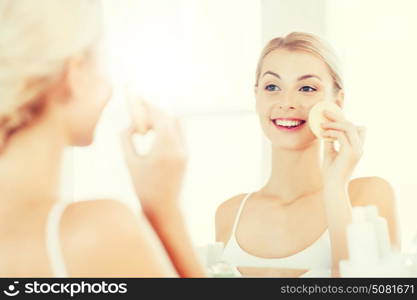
(37, 38)
(300, 41)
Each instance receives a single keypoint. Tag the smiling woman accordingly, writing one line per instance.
(296, 223)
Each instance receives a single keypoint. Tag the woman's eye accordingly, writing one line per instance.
(307, 89)
(272, 88)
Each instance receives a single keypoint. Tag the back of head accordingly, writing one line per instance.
(37, 39)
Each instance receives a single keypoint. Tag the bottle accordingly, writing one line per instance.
(412, 259)
(216, 266)
(214, 253)
(222, 269)
(382, 233)
(370, 253)
(361, 238)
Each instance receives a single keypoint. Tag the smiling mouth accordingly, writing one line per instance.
(288, 124)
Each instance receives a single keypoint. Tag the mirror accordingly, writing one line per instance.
(197, 59)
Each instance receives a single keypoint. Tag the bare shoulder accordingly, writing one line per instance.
(370, 190)
(106, 238)
(94, 214)
(225, 216)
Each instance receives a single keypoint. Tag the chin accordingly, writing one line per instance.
(88, 141)
(85, 144)
(295, 144)
(290, 146)
(83, 141)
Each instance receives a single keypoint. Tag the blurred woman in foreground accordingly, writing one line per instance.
(53, 87)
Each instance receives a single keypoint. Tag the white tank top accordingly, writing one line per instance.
(53, 244)
(316, 257)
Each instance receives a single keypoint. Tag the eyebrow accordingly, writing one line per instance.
(271, 73)
(298, 79)
(308, 76)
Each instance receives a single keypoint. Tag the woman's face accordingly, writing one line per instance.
(290, 83)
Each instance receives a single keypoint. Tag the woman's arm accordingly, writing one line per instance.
(339, 216)
(157, 178)
(338, 166)
(338, 196)
(169, 224)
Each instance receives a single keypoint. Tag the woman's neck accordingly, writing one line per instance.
(294, 174)
(30, 168)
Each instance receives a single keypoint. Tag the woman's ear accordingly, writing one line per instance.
(255, 93)
(76, 77)
(340, 98)
(67, 86)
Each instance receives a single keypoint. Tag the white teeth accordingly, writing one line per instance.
(287, 123)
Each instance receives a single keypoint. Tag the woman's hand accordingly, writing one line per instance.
(157, 175)
(157, 178)
(338, 165)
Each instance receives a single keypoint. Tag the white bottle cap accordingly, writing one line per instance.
(214, 252)
(358, 214)
(371, 212)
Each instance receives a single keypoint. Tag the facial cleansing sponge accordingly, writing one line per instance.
(316, 116)
(137, 111)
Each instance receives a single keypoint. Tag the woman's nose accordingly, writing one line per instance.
(287, 103)
(285, 106)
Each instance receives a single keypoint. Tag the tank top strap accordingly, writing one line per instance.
(242, 204)
(53, 244)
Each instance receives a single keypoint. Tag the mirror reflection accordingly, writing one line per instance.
(272, 140)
